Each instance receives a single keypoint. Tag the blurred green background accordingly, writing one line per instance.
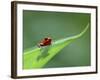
(40, 24)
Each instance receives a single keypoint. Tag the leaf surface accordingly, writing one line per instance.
(38, 57)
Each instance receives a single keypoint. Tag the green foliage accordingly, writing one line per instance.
(38, 57)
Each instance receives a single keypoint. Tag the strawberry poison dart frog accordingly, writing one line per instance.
(45, 42)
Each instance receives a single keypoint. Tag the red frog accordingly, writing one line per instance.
(45, 42)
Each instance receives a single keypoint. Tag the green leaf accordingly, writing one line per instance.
(38, 57)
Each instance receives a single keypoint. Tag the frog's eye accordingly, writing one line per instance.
(45, 38)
